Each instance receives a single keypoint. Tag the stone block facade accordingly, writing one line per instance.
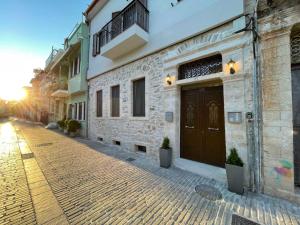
(130, 131)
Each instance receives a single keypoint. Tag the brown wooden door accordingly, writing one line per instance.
(202, 125)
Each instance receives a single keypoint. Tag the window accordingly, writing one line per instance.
(75, 68)
(70, 113)
(84, 110)
(139, 98)
(75, 111)
(116, 26)
(80, 110)
(201, 67)
(99, 103)
(115, 101)
(97, 43)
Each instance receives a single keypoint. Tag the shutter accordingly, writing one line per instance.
(99, 103)
(94, 44)
(98, 43)
(139, 98)
(115, 94)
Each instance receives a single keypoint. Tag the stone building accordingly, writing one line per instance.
(279, 31)
(168, 68)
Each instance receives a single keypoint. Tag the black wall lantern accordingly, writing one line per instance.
(231, 64)
(168, 79)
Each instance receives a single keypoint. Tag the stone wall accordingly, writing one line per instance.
(129, 130)
(278, 172)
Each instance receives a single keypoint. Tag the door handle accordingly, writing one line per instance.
(213, 129)
(189, 127)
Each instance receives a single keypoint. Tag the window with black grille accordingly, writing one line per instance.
(295, 47)
(201, 67)
(139, 97)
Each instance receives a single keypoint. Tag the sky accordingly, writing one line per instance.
(28, 30)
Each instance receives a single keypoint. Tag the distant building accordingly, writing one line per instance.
(68, 69)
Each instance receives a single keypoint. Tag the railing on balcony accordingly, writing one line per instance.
(134, 13)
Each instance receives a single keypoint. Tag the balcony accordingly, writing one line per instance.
(60, 90)
(53, 57)
(125, 32)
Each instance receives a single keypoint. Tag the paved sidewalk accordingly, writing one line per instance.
(109, 186)
(15, 202)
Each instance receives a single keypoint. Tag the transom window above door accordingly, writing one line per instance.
(201, 67)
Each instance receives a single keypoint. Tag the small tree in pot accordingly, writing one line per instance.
(235, 172)
(165, 153)
(73, 127)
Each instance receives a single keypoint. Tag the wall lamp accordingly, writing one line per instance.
(168, 79)
(231, 64)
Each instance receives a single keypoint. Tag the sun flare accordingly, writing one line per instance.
(16, 71)
(10, 94)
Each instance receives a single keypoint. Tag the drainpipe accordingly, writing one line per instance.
(257, 105)
(88, 85)
(87, 111)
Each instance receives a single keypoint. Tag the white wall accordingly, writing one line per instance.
(167, 25)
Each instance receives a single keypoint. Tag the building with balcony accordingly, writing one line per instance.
(68, 68)
(187, 70)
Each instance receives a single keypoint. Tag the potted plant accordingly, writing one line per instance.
(66, 122)
(165, 153)
(235, 172)
(73, 127)
(61, 125)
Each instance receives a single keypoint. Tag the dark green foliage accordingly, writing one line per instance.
(73, 125)
(234, 159)
(66, 122)
(166, 143)
(61, 124)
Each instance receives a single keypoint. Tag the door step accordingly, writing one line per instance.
(204, 170)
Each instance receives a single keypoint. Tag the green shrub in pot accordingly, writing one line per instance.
(235, 172)
(165, 153)
(73, 127)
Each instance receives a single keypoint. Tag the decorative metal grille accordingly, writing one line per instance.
(201, 67)
(295, 48)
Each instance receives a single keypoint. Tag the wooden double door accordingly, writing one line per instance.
(202, 125)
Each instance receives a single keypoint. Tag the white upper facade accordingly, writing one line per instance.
(168, 25)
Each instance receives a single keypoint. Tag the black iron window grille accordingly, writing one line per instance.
(201, 67)
(295, 48)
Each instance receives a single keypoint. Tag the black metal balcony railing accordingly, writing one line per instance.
(134, 13)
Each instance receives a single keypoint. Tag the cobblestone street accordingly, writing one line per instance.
(76, 181)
